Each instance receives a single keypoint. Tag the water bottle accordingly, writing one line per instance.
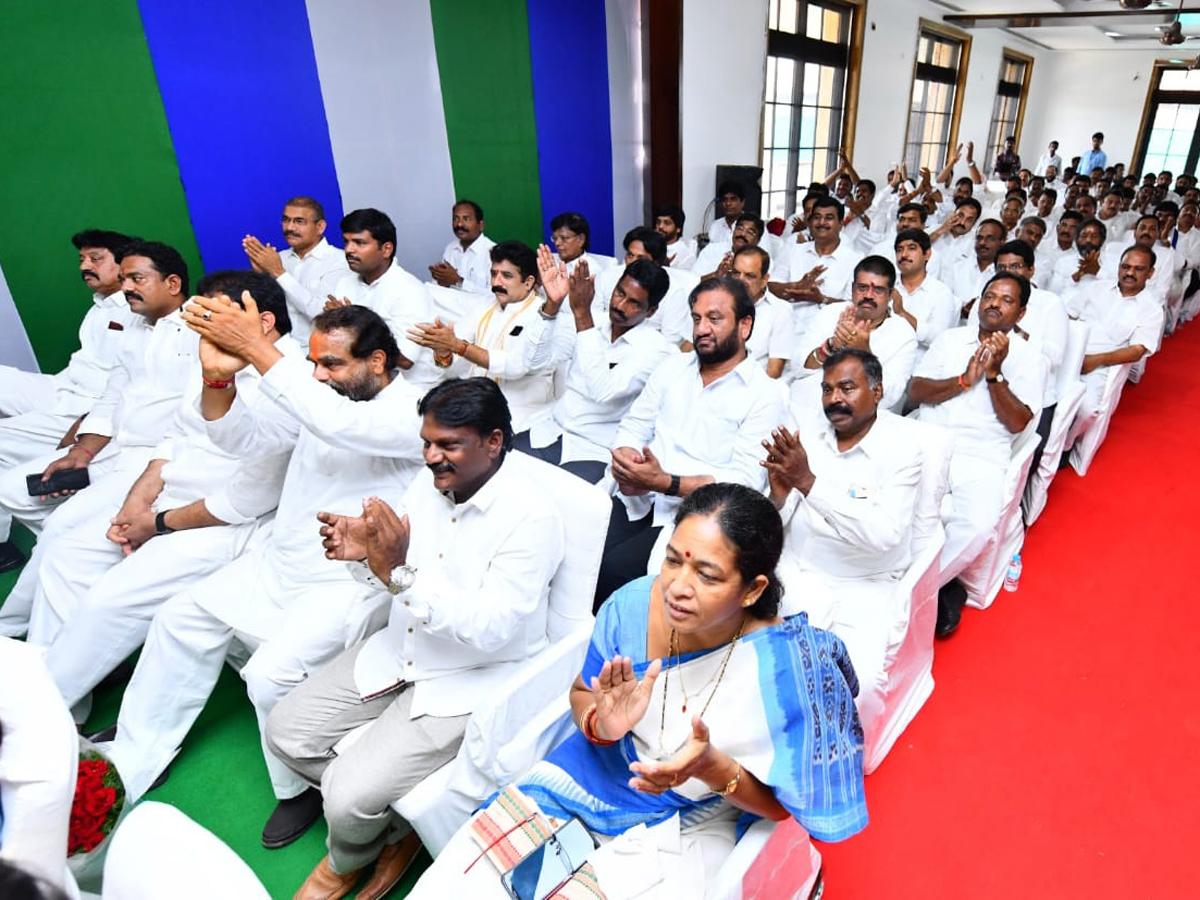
(1012, 578)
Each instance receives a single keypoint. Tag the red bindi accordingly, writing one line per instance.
(687, 553)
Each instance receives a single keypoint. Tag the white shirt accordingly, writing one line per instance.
(1045, 321)
(673, 318)
(308, 281)
(402, 302)
(695, 429)
(596, 264)
(978, 432)
(1118, 322)
(604, 378)
(681, 254)
(721, 230)
(474, 264)
(1116, 228)
(82, 382)
(773, 336)
(478, 607)
(1047, 159)
(966, 279)
(933, 305)
(1062, 282)
(800, 259)
(894, 342)
(155, 365)
(857, 520)
(710, 257)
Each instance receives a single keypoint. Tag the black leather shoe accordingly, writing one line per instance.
(10, 556)
(291, 819)
(951, 599)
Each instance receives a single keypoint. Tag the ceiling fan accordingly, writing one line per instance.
(1173, 34)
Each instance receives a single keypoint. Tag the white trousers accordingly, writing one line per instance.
(24, 392)
(292, 626)
(970, 509)
(31, 435)
(159, 852)
(93, 605)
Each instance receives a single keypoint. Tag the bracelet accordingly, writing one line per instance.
(962, 384)
(79, 446)
(216, 385)
(542, 312)
(462, 348)
(733, 783)
(587, 724)
(443, 362)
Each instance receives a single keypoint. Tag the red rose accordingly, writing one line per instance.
(98, 803)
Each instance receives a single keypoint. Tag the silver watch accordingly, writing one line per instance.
(401, 579)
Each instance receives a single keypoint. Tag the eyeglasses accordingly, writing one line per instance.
(875, 290)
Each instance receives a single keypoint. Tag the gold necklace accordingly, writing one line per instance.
(673, 650)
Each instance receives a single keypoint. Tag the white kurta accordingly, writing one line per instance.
(308, 281)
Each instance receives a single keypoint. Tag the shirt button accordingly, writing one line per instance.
(439, 556)
(406, 603)
(410, 631)
(410, 662)
(454, 518)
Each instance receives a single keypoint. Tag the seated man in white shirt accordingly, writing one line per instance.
(610, 364)
(468, 568)
(151, 372)
(968, 276)
(984, 384)
(504, 343)
(113, 558)
(572, 236)
(1010, 214)
(1163, 281)
(1126, 321)
(866, 323)
(672, 318)
(465, 262)
(731, 203)
(1049, 252)
(1075, 272)
(846, 484)
(1032, 231)
(668, 221)
(923, 301)
(954, 239)
(717, 258)
(308, 270)
(770, 342)
(378, 282)
(1109, 212)
(349, 423)
(40, 413)
(700, 418)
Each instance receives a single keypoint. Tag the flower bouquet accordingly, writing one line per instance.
(98, 806)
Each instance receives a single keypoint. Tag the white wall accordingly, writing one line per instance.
(720, 94)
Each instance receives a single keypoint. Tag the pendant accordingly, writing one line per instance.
(684, 706)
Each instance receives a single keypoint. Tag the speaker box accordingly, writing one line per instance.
(749, 177)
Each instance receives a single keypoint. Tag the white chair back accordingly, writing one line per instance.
(1077, 338)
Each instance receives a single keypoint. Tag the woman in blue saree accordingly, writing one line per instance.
(698, 710)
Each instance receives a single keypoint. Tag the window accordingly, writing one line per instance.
(1169, 139)
(938, 73)
(1009, 108)
(811, 91)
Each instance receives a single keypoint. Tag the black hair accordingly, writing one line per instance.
(520, 255)
(475, 207)
(1017, 248)
(475, 403)
(878, 265)
(370, 331)
(872, 367)
(743, 303)
(751, 525)
(1051, 193)
(828, 201)
(1073, 215)
(672, 212)
(971, 202)
(731, 187)
(377, 224)
(165, 259)
(996, 222)
(654, 243)
(652, 277)
(1034, 220)
(753, 220)
(265, 290)
(913, 234)
(1168, 206)
(1153, 256)
(764, 258)
(914, 207)
(112, 241)
(964, 180)
(1103, 228)
(18, 884)
(1021, 280)
(318, 210)
(1098, 134)
(576, 223)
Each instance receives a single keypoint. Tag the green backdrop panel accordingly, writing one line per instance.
(487, 95)
(84, 144)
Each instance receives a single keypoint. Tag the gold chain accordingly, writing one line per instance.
(673, 650)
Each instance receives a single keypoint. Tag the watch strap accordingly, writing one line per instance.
(160, 524)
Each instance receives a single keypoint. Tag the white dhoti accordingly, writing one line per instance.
(970, 509)
(24, 392)
(292, 625)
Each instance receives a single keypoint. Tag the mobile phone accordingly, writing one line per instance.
(62, 480)
(547, 868)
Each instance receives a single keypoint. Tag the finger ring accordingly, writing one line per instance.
(206, 315)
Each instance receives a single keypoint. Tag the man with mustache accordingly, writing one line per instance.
(730, 203)
(465, 573)
(671, 318)
(378, 282)
(308, 270)
(970, 273)
(717, 258)
(699, 419)
(770, 343)
(1076, 272)
(504, 344)
(39, 413)
(465, 262)
(846, 485)
(1147, 229)
(866, 323)
(983, 384)
(954, 238)
(668, 221)
(152, 369)
(344, 427)
(1066, 228)
(609, 365)
(923, 301)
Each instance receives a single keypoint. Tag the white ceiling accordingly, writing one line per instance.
(1112, 35)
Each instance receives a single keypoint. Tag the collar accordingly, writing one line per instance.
(319, 250)
(742, 370)
(489, 492)
(388, 273)
(115, 299)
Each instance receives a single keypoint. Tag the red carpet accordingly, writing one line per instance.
(1057, 757)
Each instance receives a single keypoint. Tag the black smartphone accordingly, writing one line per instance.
(62, 480)
(546, 869)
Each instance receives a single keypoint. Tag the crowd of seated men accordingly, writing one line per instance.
(774, 385)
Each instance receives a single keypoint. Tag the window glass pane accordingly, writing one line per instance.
(773, 15)
(833, 26)
(812, 83)
(923, 45)
(813, 28)
(785, 79)
(782, 135)
(787, 16)
(770, 79)
(825, 95)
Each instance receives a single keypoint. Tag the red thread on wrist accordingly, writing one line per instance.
(962, 384)
(217, 385)
(90, 454)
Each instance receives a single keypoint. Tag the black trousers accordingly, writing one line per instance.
(627, 549)
(587, 469)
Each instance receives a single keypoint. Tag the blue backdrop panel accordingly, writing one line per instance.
(243, 101)
(569, 50)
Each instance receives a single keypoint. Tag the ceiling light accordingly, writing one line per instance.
(1135, 4)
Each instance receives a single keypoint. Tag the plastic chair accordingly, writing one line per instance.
(1070, 395)
(1088, 432)
(772, 861)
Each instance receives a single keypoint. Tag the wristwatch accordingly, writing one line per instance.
(999, 379)
(160, 524)
(401, 579)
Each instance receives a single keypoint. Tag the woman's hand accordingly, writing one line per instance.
(621, 699)
(698, 758)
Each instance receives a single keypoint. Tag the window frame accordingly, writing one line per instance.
(1154, 97)
(995, 139)
(930, 28)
